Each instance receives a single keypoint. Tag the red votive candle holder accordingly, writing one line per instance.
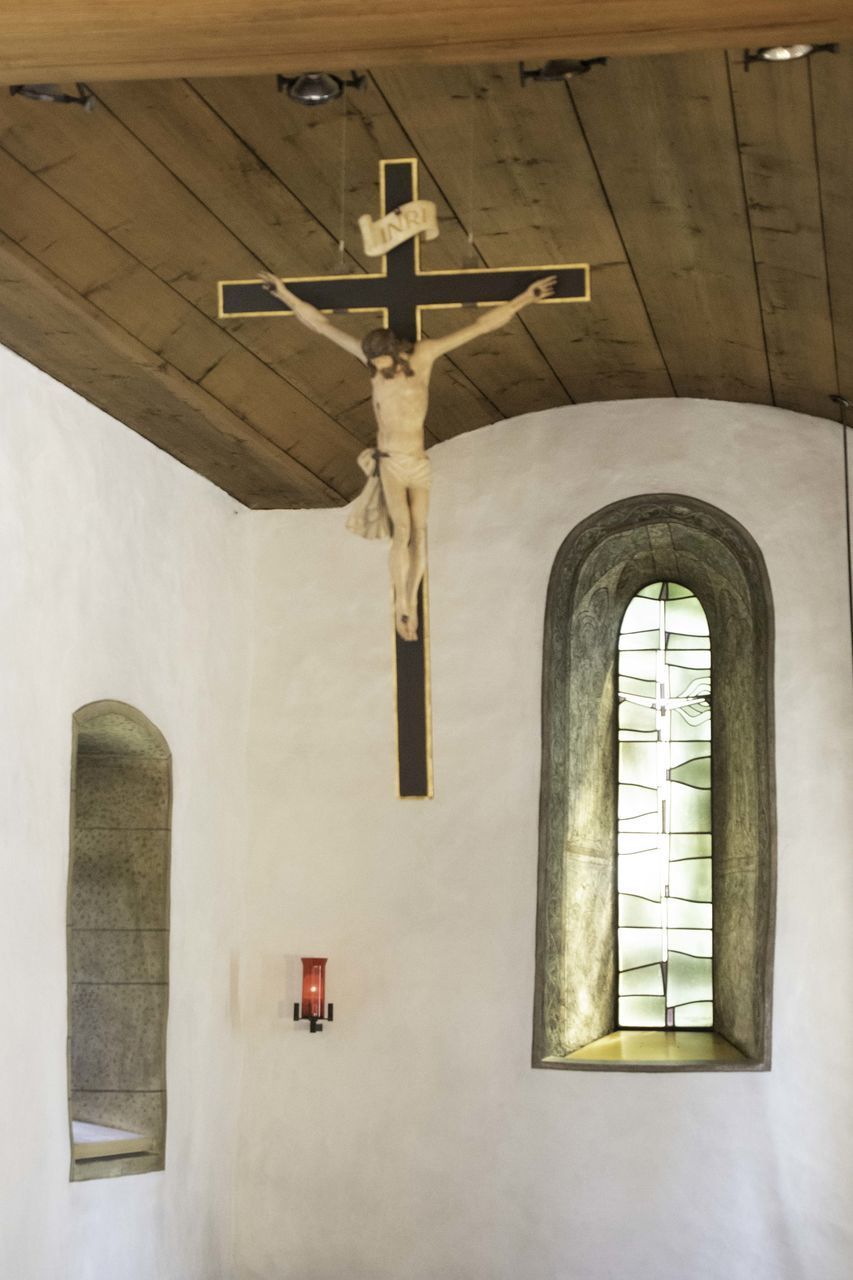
(313, 987)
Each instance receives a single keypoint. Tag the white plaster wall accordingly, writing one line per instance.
(412, 1140)
(121, 576)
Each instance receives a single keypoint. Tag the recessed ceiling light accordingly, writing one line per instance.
(785, 52)
(559, 69)
(54, 93)
(315, 88)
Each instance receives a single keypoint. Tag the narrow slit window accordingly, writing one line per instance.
(665, 938)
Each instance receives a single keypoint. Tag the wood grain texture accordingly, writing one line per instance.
(506, 372)
(534, 196)
(44, 40)
(664, 138)
(105, 173)
(713, 204)
(775, 130)
(832, 89)
(102, 362)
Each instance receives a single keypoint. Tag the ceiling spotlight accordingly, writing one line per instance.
(53, 93)
(559, 69)
(785, 53)
(314, 88)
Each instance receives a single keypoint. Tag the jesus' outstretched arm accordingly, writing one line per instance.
(491, 319)
(311, 317)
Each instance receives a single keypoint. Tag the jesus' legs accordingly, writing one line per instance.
(419, 507)
(396, 496)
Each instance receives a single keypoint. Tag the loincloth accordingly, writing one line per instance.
(369, 516)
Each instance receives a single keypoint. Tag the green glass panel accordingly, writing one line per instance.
(640, 640)
(688, 846)
(647, 822)
(647, 981)
(688, 724)
(652, 592)
(693, 773)
(687, 682)
(681, 751)
(641, 615)
(628, 843)
(639, 913)
(675, 591)
(700, 1014)
(686, 617)
(638, 946)
(689, 809)
(636, 718)
(639, 688)
(642, 1011)
(640, 664)
(688, 642)
(635, 802)
(638, 763)
(688, 979)
(685, 915)
(691, 879)
(693, 659)
(693, 942)
(640, 874)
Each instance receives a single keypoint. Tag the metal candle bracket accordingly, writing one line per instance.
(316, 1020)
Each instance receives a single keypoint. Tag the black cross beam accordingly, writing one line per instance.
(399, 293)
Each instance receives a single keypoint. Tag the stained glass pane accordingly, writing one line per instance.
(700, 1014)
(642, 1011)
(639, 946)
(641, 615)
(690, 809)
(641, 664)
(694, 773)
(647, 981)
(688, 642)
(688, 846)
(681, 914)
(691, 879)
(685, 616)
(639, 874)
(664, 811)
(687, 978)
(638, 763)
(634, 718)
(640, 912)
(692, 942)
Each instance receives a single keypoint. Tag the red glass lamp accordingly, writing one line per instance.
(314, 994)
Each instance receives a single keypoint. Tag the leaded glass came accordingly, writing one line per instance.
(664, 812)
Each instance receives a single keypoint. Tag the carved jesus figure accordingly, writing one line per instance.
(395, 500)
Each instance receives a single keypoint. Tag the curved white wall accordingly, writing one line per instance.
(412, 1140)
(121, 576)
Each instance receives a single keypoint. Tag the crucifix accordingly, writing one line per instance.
(400, 361)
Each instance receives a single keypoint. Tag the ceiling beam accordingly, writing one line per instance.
(58, 40)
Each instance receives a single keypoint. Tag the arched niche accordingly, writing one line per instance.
(118, 941)
(599, 568)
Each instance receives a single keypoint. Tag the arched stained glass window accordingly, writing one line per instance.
(625, 975)
(664, 842)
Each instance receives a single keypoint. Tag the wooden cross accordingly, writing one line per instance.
(400, 292)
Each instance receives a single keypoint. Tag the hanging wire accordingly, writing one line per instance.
(343, 186)
(471, 258)
(843, 405)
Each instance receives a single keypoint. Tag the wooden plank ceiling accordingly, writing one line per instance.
(712, 203)
(44, 40)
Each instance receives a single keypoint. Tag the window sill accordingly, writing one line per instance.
(97, 1141)
(658, 1051)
